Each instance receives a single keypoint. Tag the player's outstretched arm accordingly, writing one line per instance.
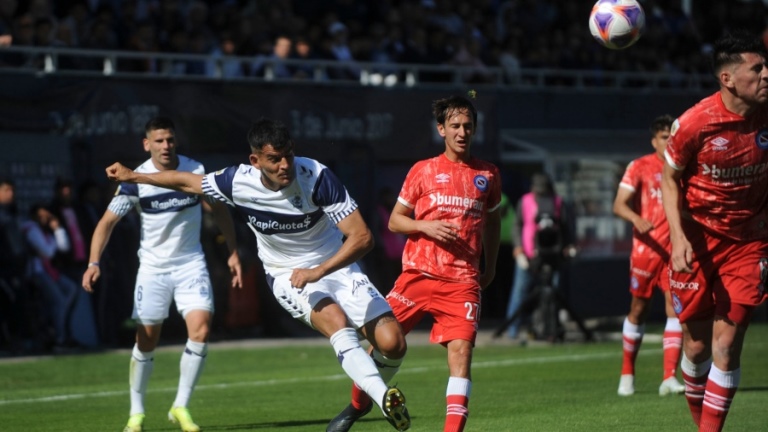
(177, 180)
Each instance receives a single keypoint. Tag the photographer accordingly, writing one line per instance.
(538, 237)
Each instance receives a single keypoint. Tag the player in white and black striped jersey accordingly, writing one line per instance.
(172, 267)
(310, 234)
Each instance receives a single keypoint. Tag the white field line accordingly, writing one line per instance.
(281, 381)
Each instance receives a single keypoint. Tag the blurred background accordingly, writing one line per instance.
(354, 81)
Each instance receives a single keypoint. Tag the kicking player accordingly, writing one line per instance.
(300, 212)
(172, 267)
(449, 208)
(638, 201)
(716, 201)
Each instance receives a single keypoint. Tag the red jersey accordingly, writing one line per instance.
(643, 178)
(455, 192)
(725, 168)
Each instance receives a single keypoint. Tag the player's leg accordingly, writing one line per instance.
(672, 341)
(152, 298)
(696, 363)
(632, 334)
(387, 349)
(459, 385)
(193, 295)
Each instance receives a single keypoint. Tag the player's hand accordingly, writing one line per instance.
(90, 277)
(441, 231)
(682, 256)
(301, 276)
(118, 173)
(235, 269)
(643, 225)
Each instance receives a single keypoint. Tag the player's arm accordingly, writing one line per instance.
(491, 240)
(401, 221)
(227, 227)
(359, 241)
(181, 181)
(671, 197)
(99, 241)
(622, 208)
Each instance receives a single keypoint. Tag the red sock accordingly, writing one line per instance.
(457, 401)
(673, 342)
(631, 348)
(721, 388)
(694, 394)
(456, 414)
(360, 399)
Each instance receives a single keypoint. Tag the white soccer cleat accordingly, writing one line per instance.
(671, 386)
(626, 385)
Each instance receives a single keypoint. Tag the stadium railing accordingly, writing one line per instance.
(87, 62)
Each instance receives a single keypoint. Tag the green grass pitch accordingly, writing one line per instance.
(570, 387)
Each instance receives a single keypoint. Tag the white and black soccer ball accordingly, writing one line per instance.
(617, 24)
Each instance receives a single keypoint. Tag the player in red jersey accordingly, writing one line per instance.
(638, 201)
(716, 201)
(448, 207)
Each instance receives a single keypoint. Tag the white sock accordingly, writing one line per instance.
(358, 364)
(387, 367)
(458, 386)
(632, 331)
(725, 379)
(673, 324)
(141, 367)
(191, 367)
(693, 369)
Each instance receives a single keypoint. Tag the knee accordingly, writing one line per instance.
(697, 351)
(392, 344)
(199, 333)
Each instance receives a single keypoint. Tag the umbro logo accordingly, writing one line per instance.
(719, 144)
(443, 178)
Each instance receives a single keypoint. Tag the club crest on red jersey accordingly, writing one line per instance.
(761, 139)
(481, 182)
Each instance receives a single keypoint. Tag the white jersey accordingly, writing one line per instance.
(170, 220)
(295, 227)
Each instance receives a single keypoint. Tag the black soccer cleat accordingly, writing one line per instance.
(344, 421)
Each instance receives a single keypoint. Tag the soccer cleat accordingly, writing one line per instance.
(627, 385)
(135, 423)
(394, 409)
(181, 416)
(344, 421)
(671, 386)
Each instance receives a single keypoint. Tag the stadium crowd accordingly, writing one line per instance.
(512, 34)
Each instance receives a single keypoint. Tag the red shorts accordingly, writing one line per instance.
(455, 306)
(646, 272)
(725, 272)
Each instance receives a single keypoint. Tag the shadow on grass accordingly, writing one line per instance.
(266, 425)
(753, 389)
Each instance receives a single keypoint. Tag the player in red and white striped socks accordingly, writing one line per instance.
(638, 201)
(714, 194)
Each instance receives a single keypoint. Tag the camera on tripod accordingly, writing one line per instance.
(548, 243)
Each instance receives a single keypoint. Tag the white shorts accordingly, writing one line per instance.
(349, 287)
(188, 285)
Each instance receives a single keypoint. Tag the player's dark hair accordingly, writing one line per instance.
(661, 123)
(266, 131)
(729, 47)
(443, 108)
(159, 123)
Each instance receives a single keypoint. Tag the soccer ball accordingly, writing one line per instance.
(616, 24)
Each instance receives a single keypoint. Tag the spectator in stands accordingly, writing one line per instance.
(219, 64)
(14, 257)
(273, 66)
(337, 46)
(45, 236)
